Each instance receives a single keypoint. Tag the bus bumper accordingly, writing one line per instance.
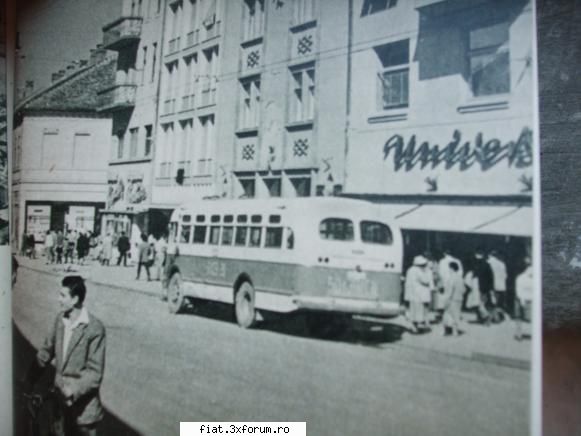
(349, 305)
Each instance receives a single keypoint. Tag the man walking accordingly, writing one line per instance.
(123, 246)
(77, 343)
(143, 256)
(454, 295)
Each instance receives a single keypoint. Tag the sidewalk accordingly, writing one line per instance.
(494, 344)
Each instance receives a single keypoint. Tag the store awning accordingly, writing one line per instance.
(496, 220)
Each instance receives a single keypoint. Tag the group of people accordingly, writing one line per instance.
(61, 247)
(446, 287)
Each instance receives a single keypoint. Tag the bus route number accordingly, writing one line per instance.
(216, 269)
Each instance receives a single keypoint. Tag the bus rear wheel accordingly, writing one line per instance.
(326, 325)
(176, 300)
(244, 306)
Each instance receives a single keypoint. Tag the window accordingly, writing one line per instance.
(256, 219)
(336, 229)
(274, 186)
(250, 102)
(393, 78)
(229, 219)
(373, 6)
(154, 61)
(255, 236)
(133, 142)
(274, 219)
(273, 237)
(120, 144)
(375, 233)
(242, 218)
(214, 235)
(215, 218)
(143, 64)
(185, 233)
(241, 236)
(302, 105)
(489, 60)
(148, 139)
(253, 19)
(199, 234)
(302, 186)
(227, 235)
(200, 218)
(248, 187)
(304, 10)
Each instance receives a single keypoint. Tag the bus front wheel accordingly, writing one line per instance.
(176, 300)
(244, 306)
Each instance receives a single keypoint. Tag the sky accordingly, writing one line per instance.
(53, 33)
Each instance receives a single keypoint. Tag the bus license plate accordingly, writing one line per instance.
(354, 284)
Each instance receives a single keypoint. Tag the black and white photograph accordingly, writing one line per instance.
(320, 211)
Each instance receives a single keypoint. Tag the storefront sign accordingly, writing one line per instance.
(463, 154)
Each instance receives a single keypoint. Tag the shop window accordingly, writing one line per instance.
(336, 229)
(373, 6)
(489, 60)
(393, 76)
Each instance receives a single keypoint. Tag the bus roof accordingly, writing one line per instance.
(328, 205)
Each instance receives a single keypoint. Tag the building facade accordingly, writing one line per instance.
(132, 102)
(60, 160)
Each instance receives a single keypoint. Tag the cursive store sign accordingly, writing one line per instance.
(460, 153)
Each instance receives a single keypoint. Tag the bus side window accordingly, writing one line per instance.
(255, 234)
(185, 234)
(227, 235)
(290, 238)
(273, 237)
(214, 235)
(199, 234)
(337, 229)
(241, 235)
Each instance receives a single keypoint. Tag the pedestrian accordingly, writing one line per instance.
(60, 244)
(31, 246)
(107, 250)
(172, 253)
(499, 277)
(70, 244)
(444, 272)
(524, 298)
(77, 343)
(417, 293)
(123, 247)
(143, 257)
(82, 247)
(483, 274)
(160, 257)
(49, 247)
(453, 296)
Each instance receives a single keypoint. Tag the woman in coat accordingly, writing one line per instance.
(418, 287)
(107, 252)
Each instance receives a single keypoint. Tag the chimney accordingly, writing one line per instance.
(100, 54)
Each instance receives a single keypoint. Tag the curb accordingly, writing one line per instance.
(486, 358)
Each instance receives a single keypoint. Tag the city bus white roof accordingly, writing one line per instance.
(298, 206)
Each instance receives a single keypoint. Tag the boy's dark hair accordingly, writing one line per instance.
(76, 286)
(454, 266)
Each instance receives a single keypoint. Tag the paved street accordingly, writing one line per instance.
(162, 369)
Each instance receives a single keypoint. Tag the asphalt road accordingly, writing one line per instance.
(162, 369)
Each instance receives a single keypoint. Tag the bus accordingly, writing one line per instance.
(329, 258)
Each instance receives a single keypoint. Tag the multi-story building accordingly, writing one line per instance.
(132, 102)
(59, 166)
(186, 137)
(441, 121)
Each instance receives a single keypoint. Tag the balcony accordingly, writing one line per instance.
(121, 33)
(118, 97)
